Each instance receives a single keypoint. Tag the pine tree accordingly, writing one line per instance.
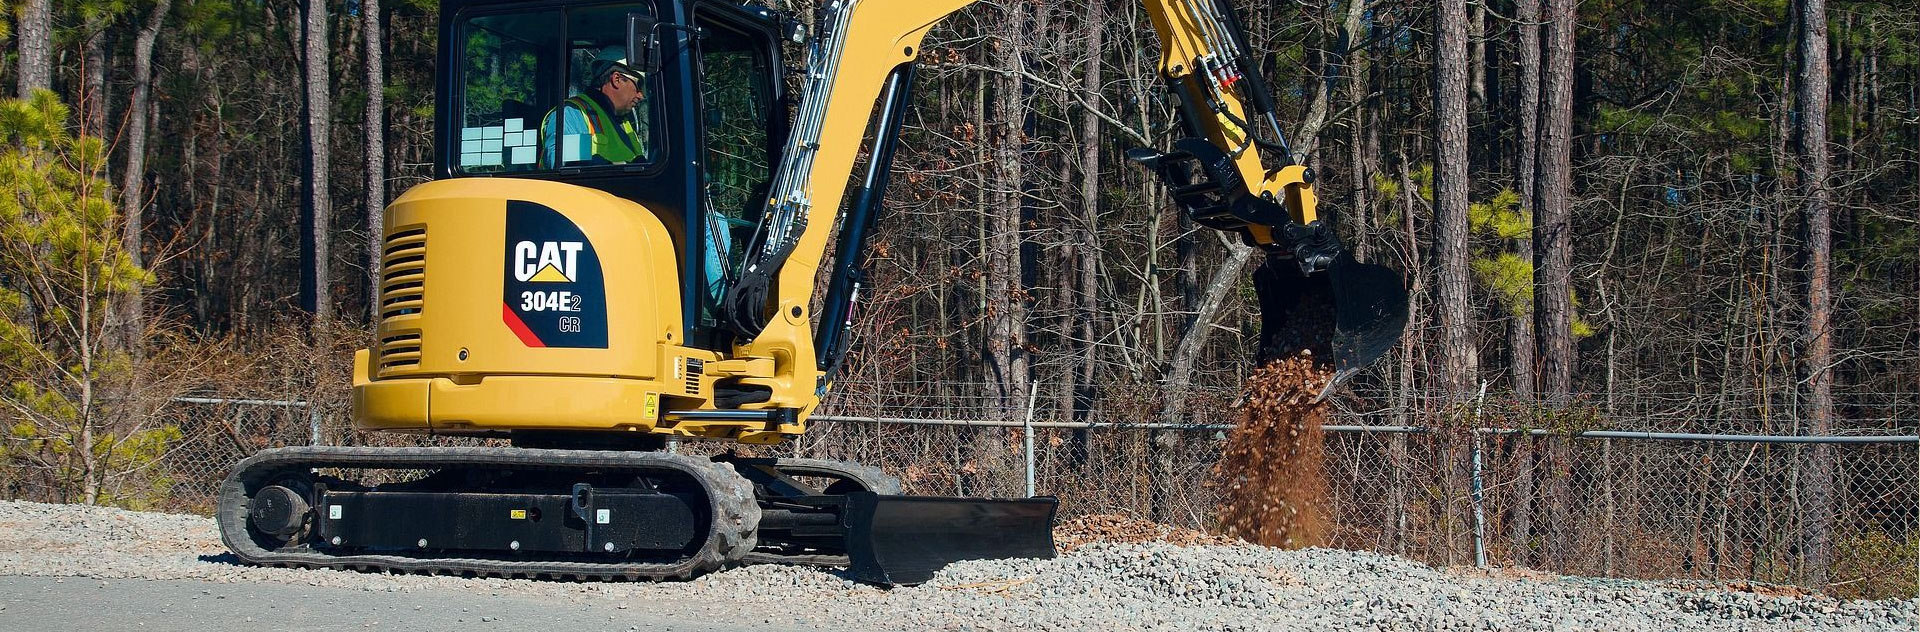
(64, 270)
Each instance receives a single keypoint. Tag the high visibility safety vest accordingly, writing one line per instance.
(614, 138)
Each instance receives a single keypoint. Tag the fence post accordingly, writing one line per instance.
(1606, 469)
(1032, 392)
(1479, 488)
(313, 421)
(1397, 456)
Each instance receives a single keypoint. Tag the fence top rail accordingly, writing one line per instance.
(242, 401)
(1590, 434)
(1729, 438)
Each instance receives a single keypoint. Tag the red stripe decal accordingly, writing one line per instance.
(519, 328)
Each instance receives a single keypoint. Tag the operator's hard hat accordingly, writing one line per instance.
(612, 59)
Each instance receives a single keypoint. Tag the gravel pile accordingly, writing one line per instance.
(1134, 586)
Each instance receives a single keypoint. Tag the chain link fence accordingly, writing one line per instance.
(1660, 488)
(1699, 507)
(1431, 479)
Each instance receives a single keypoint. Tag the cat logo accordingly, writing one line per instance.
(546, 261)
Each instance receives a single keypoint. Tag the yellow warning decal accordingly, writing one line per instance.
(517, 514)
(650, 407)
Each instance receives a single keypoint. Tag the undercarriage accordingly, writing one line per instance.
(603, 515)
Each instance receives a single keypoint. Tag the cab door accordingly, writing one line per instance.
(742, 119)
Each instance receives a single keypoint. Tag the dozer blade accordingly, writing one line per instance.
(903, 540)
(1364, 305)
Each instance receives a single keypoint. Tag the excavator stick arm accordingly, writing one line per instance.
(1229, 175)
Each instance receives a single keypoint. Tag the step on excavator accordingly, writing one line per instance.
(620, 253)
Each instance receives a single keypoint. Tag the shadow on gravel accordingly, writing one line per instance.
(228, 559)
(836, 571)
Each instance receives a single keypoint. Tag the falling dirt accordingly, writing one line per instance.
(1271, 472)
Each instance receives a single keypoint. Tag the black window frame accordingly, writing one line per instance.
(659, 146)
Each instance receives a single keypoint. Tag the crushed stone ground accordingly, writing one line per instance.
(1126, 586)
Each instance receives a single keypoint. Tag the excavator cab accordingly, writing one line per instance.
(706, 131)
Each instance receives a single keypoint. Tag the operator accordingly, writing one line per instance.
(596, 127)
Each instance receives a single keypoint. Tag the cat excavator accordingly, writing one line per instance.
(594, 308)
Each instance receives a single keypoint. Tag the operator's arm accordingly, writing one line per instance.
(571, 123)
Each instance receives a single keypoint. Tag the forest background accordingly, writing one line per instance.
(1708, 206)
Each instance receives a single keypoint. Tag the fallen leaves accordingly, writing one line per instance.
(1084, 530)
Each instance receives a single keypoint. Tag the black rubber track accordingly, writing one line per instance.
(736, 515)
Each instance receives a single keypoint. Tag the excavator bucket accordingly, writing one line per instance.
(1354, 311)
(903, 540)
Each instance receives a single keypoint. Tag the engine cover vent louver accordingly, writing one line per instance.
(403, 284)
(402, 293)
(695, 369)
(399, 352)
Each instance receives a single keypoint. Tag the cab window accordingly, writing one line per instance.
(737, 116)
(529, 100)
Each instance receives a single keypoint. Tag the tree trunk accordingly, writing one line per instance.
(1459, 361)
(1521, 343)
(133, 198)
(34, 35)
(1087, 245)
(1554, 245)
(1527, 14)
(1411, 350)
(93, 99)
(1006, 299)
(376, 151)
(1818, 478)
(1477, 57)
(319, 155)
(1239, 264)
(1358, 218)
(1554, 253)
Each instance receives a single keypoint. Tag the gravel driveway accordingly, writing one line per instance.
(73, 567)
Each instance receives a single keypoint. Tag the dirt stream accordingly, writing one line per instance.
(1272, 473)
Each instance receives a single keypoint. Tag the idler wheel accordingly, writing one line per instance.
(278, 511)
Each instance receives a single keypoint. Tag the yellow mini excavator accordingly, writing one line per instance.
(622, 248)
